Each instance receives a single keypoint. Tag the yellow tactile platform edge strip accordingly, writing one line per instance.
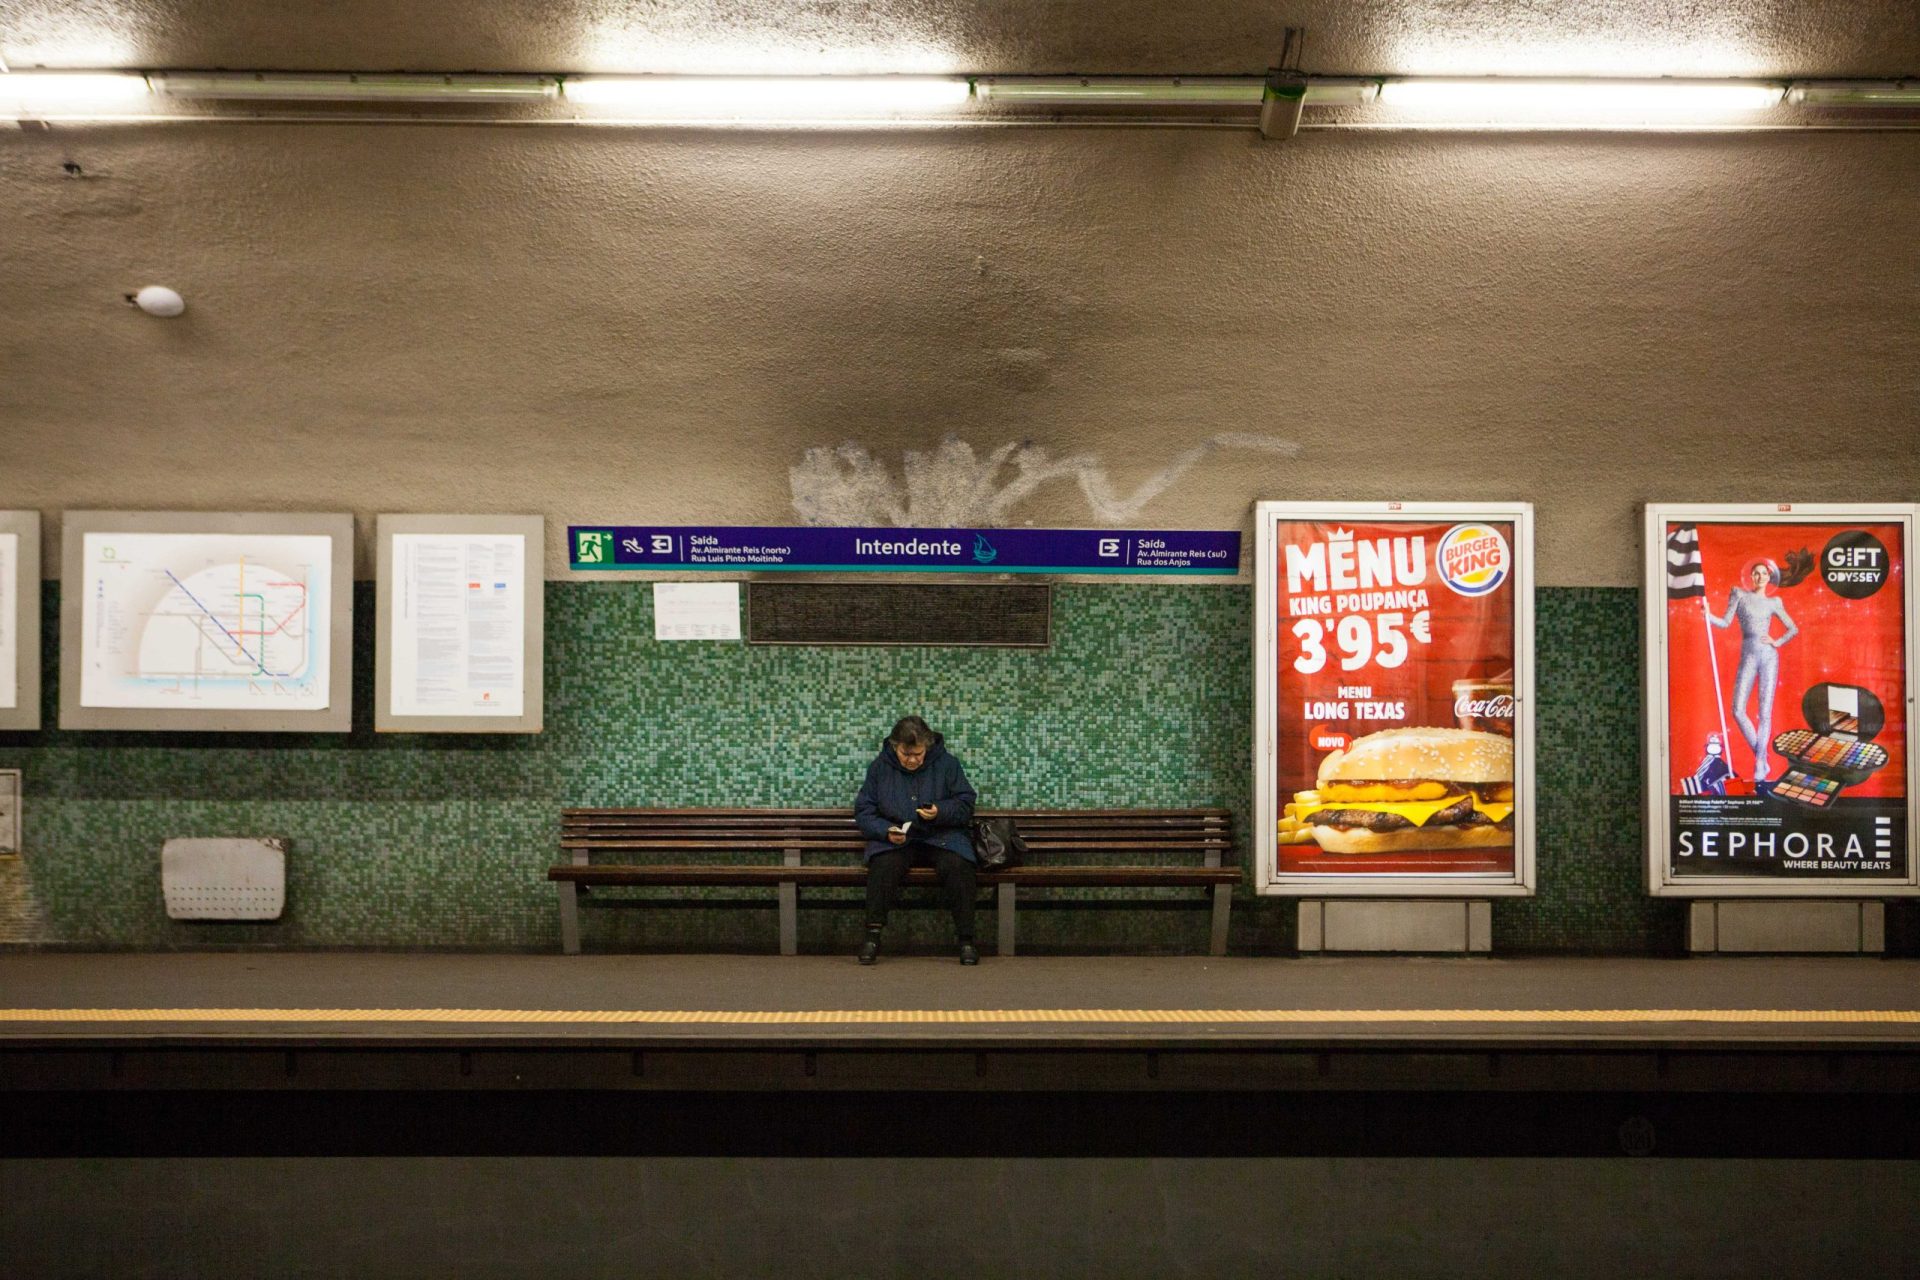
(833, 1017)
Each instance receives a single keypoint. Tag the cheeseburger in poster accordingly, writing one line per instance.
(1786, 695)
(1396, 685)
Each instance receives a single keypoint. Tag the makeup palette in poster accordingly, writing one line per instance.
(1785, 692)
(1395, 689)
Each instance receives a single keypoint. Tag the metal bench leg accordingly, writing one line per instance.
(1222, 904)
(789, 918)
(790, 907)
(569, 917)
(1004, 904)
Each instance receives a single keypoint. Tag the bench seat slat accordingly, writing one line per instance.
(851, 877)
(856, 846)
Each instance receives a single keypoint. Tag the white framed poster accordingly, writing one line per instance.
(222, 621)
(1393, 699)
(1779, 689)
(461, 623)
(19, 620)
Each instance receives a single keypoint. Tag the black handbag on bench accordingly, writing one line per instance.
(997, 844)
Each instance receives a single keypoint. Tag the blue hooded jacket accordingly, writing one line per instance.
(890, 795)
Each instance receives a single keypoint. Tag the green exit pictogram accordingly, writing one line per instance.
(592, 546)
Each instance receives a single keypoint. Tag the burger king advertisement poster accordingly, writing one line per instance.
(1394, 694)
(1780, 679)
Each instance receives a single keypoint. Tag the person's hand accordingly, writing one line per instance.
(896, 836)
(928, 813)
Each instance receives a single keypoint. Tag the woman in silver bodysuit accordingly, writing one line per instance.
(1755, 610)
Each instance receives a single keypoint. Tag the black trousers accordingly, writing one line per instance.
(886, 872)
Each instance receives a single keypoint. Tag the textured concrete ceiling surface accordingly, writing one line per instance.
(1621, 37)
(600, 324)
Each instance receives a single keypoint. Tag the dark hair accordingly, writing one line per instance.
(911, 731)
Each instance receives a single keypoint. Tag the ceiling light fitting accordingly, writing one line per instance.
(1277, 103)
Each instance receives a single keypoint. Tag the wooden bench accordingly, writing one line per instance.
(821, 848)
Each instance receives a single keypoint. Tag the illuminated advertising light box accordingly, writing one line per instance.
(1393, 699)
(1779, 690)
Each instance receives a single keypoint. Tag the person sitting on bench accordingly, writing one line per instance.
(914, 807)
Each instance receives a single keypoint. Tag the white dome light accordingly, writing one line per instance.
(158, 300)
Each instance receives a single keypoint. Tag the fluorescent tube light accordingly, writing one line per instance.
(1152, 91)
(285, 87)
(1609, 100)
(1857, 93)
(25, 92)
(1148, 91)
(763, 97)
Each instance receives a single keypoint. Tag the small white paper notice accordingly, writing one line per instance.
(696, 611)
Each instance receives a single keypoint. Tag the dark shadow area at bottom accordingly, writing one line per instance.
(913, 1124)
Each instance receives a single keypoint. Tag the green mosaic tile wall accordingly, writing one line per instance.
(409, 841)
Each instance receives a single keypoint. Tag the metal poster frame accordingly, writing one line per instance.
(533, 623)
(1268, 880)
(1661, 882)
(24, 714)
(335, 717)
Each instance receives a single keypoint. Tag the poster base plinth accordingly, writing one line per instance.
(1425, 926)
(1749, 926)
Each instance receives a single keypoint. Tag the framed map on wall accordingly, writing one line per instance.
(189, 620)
(19, 620)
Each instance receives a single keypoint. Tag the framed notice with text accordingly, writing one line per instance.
(223, 621)
(1393, 699)
(1779, 691)
(460, 624)
(19, 620)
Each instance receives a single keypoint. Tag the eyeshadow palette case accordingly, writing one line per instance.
(1836, 750)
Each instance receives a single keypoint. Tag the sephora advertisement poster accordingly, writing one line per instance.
(1395, 694)
(1786, 687)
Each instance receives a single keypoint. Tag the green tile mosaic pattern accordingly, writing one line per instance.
(409, 841)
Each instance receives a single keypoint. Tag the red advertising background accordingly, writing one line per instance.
(1841, 641)
(1471, 639)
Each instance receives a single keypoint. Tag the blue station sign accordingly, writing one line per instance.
(760, 549)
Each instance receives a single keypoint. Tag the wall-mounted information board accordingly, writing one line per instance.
(1393, 699)
(213, 621)
(19, 620)
(1780, 682)
(461, 624)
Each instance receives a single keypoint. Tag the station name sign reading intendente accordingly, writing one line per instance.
(756, 548)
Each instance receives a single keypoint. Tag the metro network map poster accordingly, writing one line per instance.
(1780, 676)
(1394, 698)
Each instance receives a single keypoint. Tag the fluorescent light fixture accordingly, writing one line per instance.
(1342, 93)
(1612, 100)
(1857, 93)
(279, 87)
(1162, 91)
(25, 92)
(769, 97)
(1147, 91)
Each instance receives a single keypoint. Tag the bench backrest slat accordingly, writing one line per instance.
(1050, 833)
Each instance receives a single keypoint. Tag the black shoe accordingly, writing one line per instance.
(969, 954)
(870, 949)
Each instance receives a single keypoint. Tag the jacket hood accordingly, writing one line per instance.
(934, 752)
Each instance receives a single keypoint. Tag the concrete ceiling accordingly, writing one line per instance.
(1622, 37)
(602, 324)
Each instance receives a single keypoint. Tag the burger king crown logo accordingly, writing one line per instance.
(1473, 559)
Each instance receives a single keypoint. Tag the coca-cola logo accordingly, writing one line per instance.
(1498, 707)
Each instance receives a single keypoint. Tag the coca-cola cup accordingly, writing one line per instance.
(1486, 705)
